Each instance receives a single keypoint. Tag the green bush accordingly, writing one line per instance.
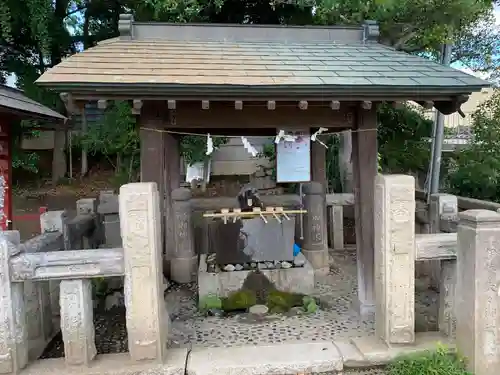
(438, 362)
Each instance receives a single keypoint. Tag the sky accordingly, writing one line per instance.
(11, 80)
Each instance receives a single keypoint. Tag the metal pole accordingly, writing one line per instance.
(439, 133)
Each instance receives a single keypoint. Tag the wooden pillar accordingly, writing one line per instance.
(318, 174)
(318, 164)
(364, 156)
(5, 177)
(160, 163)
(172, 182)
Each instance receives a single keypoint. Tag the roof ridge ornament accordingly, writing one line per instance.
(126, 26)
(371, 31)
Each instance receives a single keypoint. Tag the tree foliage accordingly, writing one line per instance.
(403, 139)
(37, 34)
(115, 136)
(476, 170)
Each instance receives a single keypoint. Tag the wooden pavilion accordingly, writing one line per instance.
(254, 80)
(14, 106)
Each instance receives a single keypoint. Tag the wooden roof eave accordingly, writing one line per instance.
(28, 115)
(447, 99)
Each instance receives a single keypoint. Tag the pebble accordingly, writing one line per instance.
(286, 265)
(258, 310)
(238, 267)
(269, 265)
(253, 265)
(262, 266)
(229, 268)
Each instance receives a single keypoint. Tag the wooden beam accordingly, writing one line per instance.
(271, 105)
(136, 106)
(205, 104)
(428, 104)
(171, 104)
(102, 104)
(303, 105)
(70, 104)
(366, 105)
(335, 105)
(223, 115)
(238, 105)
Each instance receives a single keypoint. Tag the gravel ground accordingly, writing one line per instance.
(334, 320)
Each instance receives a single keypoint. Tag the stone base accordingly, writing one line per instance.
(221, 284)
(183, 270)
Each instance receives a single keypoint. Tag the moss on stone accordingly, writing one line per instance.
(210, 302)
(309, 304)
(280, 302)
(240, 300)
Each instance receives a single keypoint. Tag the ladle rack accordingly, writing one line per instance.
(278, 213)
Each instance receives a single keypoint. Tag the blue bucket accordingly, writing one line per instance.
(296, 250)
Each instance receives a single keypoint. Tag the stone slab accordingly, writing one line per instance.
(376, 352)
(263, 360)
(113, 364)
(252, 240)
(297, 280)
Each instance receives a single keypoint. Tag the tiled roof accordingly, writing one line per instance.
(254, 63)
(12, 100)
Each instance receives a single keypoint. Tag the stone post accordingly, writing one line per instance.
(13, 329)
(88, 206)
(147, 319)
(52, 221)
(77, 321)
(336, 214)
(395, 258)
(108, 211)
(478, 290)
(184, 262)
(440, 204)
(314, 246)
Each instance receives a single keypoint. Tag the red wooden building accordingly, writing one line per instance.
(14, 106)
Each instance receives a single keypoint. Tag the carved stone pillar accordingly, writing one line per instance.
(147, 319)
(478, 285)
(447, 298)
(184, 262)
(52, 221)
(13, 332)
(77, 321)
(395, 258)
(314, 246)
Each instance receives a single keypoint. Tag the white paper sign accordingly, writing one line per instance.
(293, 159)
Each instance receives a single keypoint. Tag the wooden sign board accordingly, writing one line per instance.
(293, 159)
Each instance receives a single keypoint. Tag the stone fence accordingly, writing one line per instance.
(48, 279)
(469, 278)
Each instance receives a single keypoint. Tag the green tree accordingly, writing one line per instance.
(475, 171)
(116, 138)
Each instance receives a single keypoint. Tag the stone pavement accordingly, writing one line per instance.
(335, 320)
(283, 359)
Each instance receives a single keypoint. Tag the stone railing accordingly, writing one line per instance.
(469, 305)
(39, 265)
